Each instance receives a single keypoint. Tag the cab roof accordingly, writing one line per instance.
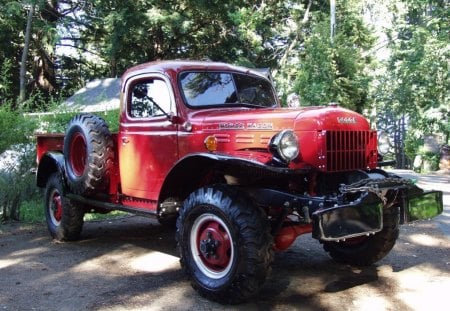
(174, 67)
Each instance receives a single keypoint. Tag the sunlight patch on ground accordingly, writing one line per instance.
(28, 252)
(423, 287)
(369, 303)
(425, 240)
(128, 257)
(165, 298)
(174, 298)
(114, 261)
(155, 262)
(4, 263)
(433, 185)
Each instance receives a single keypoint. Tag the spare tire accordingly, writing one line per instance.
(88, 154)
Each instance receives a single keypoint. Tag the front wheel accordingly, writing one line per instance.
(364, 251)
(225, 244)
(64, 219)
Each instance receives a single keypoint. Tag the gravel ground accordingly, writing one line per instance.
(131, 263)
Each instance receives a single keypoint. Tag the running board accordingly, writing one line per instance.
(110, 206)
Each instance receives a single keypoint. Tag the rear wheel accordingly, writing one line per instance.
(88, 154)
(64, 219)
(225, 244)
(364, 251)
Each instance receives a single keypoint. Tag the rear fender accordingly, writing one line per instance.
(50, 163)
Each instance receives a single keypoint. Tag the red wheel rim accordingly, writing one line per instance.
(212, 246)
(78, 153)
(55, 208)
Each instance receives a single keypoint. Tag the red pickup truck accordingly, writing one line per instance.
(207, 146)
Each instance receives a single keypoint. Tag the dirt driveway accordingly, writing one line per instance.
(131, 264)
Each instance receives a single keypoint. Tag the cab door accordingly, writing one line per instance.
(148, 145)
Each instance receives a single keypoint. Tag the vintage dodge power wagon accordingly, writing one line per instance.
(207, 147)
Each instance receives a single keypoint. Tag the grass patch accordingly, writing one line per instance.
(32, 211)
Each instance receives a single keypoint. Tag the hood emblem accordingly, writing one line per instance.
(346, 120)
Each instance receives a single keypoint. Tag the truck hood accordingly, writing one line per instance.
(277, 119)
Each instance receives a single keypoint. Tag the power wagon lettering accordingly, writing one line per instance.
(248, 126)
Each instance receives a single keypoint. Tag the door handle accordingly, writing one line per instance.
(125, 140)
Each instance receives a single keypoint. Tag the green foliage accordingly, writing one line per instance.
(31, 210)
(335, 71)
(318, 69)
(17, 184)
(413, 143)
(14, 128)
(416, 81)
(6, 91)
(57, 122)
(12, 23)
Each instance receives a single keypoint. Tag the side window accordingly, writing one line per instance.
(149, 98)
(254, 91)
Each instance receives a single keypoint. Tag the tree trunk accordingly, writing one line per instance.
(23, 64)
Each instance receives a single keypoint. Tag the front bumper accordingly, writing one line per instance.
(365, 216)
(358, 209)
(362, 217)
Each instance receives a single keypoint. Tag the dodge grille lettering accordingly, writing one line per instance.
(346, 120)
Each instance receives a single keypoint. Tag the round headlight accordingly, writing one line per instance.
(284, 146)
(384, 143)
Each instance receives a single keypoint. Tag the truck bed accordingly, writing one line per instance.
(52, 142)
(48, 142)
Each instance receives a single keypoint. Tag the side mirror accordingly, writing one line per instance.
(174, 118)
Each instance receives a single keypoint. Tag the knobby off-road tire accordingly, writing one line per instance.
(64, 219)
(88, 154)
(225, 244)
(364, 251)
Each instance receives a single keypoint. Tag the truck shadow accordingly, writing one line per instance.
(133, 261)
(143, 232)
(303, 275)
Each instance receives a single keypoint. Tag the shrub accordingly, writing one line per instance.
(17, 183)
(57, 122)
(16, 161)
(14, 128)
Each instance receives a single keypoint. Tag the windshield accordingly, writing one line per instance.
(201, 89)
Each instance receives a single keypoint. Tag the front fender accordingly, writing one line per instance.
(51, 162)
(191, 171)
(226, 162)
